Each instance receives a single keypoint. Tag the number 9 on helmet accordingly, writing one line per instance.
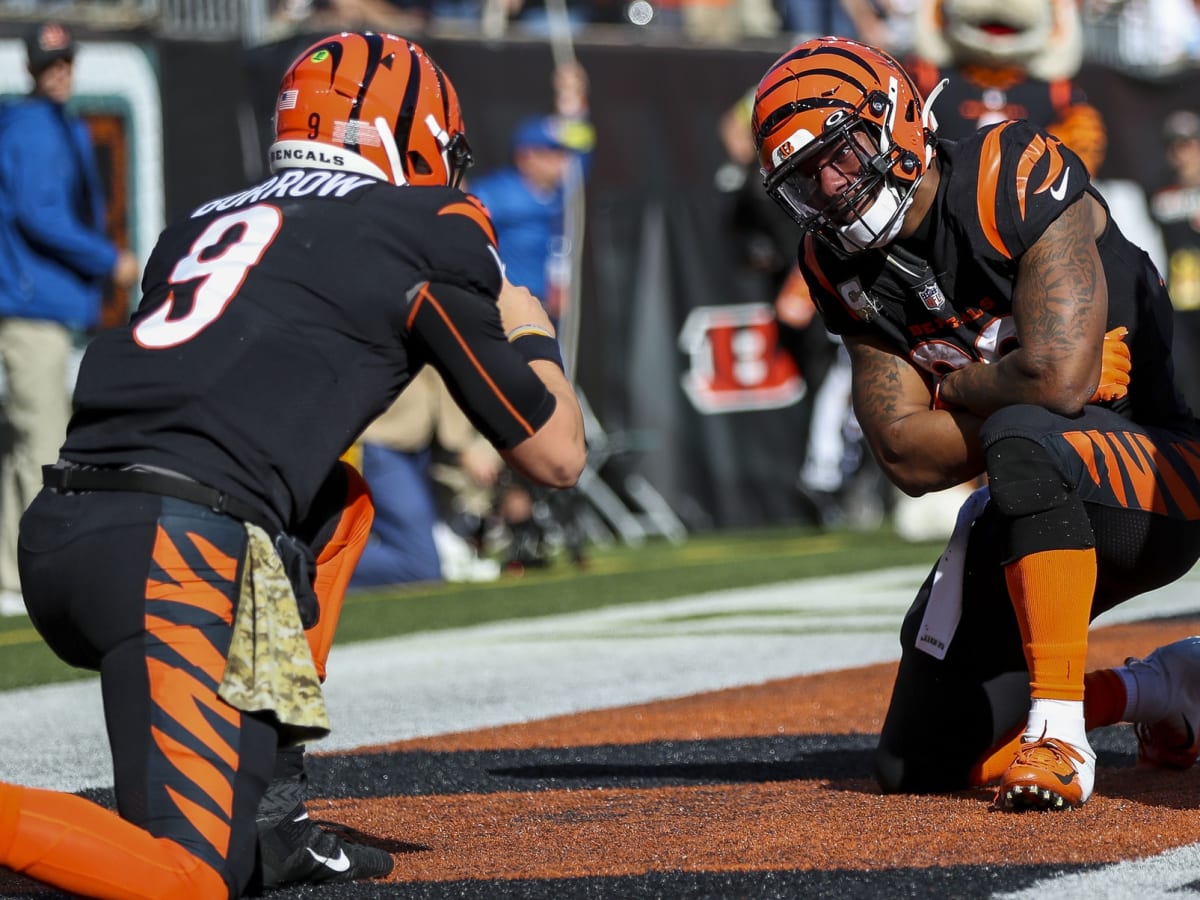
(375, 104)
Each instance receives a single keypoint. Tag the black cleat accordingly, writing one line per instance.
(299, 850)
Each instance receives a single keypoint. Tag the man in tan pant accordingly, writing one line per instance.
(55, 257)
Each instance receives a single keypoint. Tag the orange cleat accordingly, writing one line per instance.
(1048, 774)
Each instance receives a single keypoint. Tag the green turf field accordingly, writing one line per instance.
(655, 571)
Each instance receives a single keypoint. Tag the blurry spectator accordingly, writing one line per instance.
(397, 452)
(814, 17)
(1148, 37)
(727, 21)
(1176, 208)
(56, 258)
(395, 16)
(763, 234)
(527, 199)
(765, 239)
(534, 16)
(528, 202)
(881, 23)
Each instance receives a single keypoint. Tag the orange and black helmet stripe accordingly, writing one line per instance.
(780, 76)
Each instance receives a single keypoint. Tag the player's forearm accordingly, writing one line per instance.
(929, 450)
(984, 388)
(555, 454)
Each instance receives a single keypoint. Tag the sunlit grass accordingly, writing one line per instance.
(619, 575)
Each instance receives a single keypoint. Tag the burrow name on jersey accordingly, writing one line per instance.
(293, 183)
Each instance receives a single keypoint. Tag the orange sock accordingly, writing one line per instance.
(1052, 595)
(1104, 698)
(89, 851)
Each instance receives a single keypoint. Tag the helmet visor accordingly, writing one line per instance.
(832, 180)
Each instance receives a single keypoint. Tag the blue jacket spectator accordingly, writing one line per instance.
(53, 249)
(55, 258)
(527, 198)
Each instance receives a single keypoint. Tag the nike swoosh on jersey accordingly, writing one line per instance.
(1060, 190)
(339, 863)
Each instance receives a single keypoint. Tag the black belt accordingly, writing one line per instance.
(84, 479)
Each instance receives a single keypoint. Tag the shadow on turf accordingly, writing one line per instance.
(832, 765)
(371, 840)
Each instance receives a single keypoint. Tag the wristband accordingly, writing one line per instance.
(938, 402)
(538, 345)
(523, 330)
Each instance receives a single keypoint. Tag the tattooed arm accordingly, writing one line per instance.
(918, 448)
(1060, 307)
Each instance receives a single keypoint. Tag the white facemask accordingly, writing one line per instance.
(881, 222)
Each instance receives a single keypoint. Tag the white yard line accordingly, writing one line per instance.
(462, 679)
(467, 678)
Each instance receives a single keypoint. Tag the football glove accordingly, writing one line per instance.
(1115, 364)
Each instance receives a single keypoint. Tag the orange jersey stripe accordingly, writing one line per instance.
(1029, 158)
(1112, 470)
(425, 296)
(988, 192)
(199, 771)
(1086, 444)
(475, 211)
(1189, 451)
(1056, 165)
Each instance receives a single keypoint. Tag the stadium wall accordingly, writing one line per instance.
(678, 354)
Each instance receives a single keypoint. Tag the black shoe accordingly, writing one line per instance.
(525, 551)
(299, 850)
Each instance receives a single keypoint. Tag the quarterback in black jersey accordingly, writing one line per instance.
(198, 533)
(1000, 328)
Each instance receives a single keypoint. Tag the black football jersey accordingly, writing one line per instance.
(945, 299)
(277, 322)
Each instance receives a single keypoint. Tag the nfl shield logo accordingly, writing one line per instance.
(931, 295)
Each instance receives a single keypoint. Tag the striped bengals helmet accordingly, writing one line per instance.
(374, 104)
(825, 94)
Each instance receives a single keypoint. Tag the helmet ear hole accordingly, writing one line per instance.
(418, 164)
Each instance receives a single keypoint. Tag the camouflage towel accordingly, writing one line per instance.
(270, 671)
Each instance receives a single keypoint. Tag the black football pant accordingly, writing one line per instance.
(1137, 491)
(143, 589)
